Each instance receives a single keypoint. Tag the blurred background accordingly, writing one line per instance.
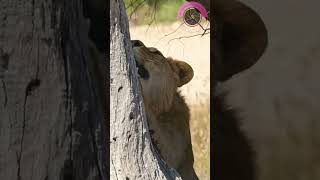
(155, 23)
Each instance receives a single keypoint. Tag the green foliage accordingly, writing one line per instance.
(152, 11)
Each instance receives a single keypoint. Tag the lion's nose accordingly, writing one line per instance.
(136, 43)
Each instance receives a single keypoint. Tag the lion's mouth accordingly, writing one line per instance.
(136, 43)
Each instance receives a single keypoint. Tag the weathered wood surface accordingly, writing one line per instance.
(51, 117)
(132, 155)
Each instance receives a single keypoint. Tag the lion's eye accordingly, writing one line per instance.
(156, 51)
(143, 73)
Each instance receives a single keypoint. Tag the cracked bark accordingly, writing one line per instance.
(52, 123)
(4, 94)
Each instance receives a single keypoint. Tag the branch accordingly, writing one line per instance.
(183, 37)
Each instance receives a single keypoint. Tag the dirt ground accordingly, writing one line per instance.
(172, 40)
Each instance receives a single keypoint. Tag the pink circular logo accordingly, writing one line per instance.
(192, 13)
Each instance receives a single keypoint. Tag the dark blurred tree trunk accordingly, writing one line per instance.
(52, 122)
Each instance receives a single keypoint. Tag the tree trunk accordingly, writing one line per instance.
(51, 107)
(132, 153)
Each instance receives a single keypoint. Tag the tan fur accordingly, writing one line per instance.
(167, 113)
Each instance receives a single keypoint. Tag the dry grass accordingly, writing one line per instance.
(200, 131)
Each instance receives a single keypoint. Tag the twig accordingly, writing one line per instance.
(184, 37)
(153, 14)
(168, 34)
(134, 10)
(131, 4)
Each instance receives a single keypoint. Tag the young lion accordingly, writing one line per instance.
(167, 113)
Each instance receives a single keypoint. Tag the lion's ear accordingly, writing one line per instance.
(183, 70)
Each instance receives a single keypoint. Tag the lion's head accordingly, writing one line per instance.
(159, 76)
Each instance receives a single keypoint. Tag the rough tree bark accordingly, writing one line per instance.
(51, 117)
(132, 155)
